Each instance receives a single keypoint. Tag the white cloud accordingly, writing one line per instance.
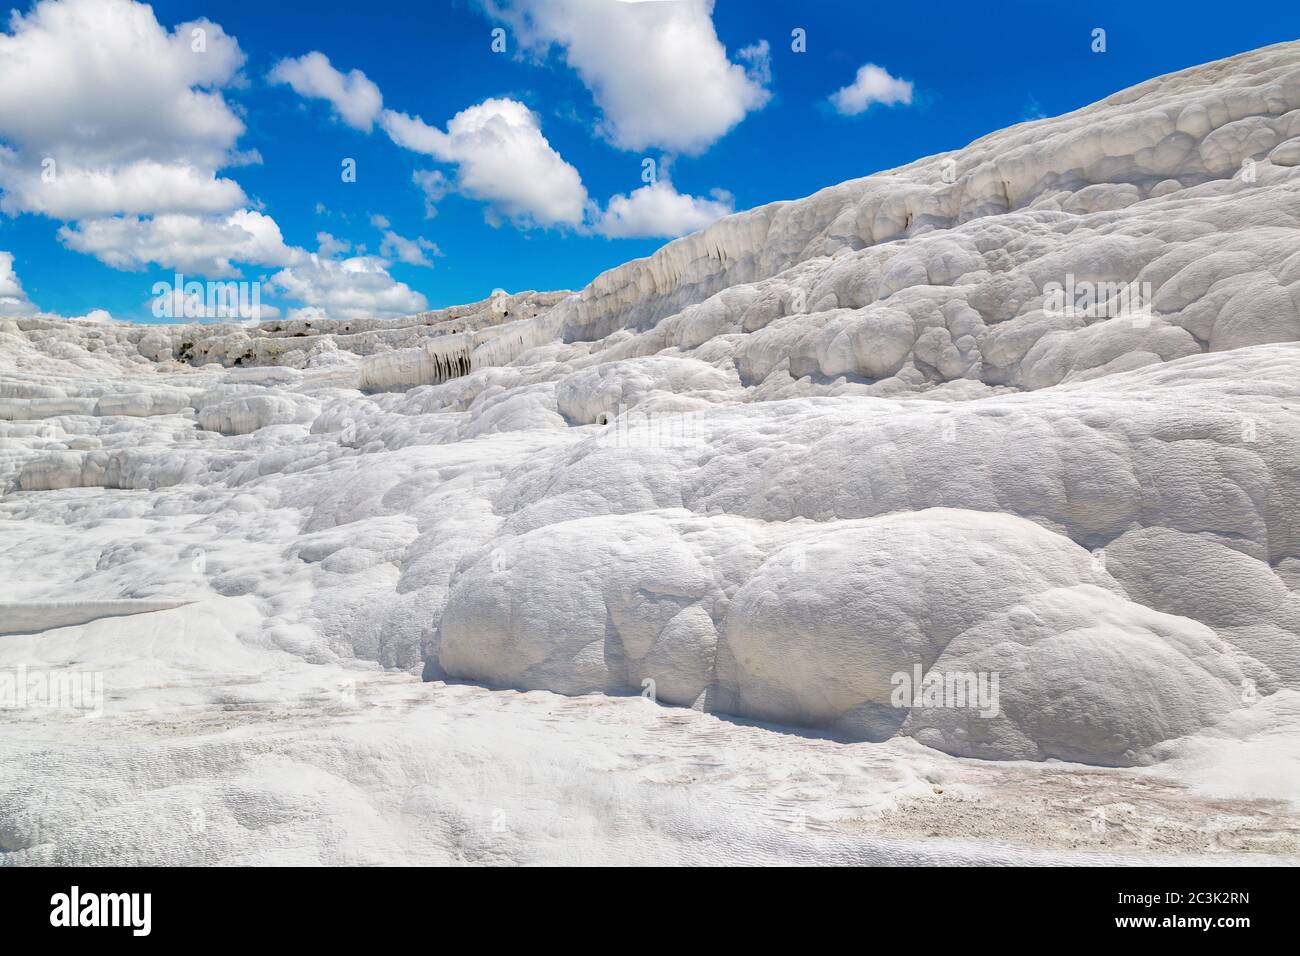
(356, 100)
(140, 187)
(330, 247)
(94, 315)
(502, 158)
(413, 133)
(660, 211)
(131, 114)
(434, 185)
(379, 222)
(759, 58)
(196, 301)
(117, 126)
(14, 303)
(657, 71)
(356, 288)
(413, 252)
(13, 300)
(201, 245)
(872, 85)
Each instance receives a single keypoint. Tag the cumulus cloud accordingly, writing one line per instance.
(94, 315)
(435, 187)
(497, 147)
(106, 111)
(502, 158)
(358, 287)
(14, 303)
(140, 187)
(413, 252)
(759, 58)
(873, 84)
(117, 126)
(13, 300)
(356, 100)
(657, 71)
(202, 245)
(330, 247)
(660, 211)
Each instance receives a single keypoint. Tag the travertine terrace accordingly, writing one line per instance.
(1029, 408)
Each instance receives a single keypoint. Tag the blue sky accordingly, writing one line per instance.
(155, 175)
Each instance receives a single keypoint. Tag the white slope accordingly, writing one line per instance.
(761, 473)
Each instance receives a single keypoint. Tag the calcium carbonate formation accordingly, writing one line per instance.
(1030, 409)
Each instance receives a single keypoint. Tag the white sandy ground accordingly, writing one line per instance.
(814, 445)
(209, 752)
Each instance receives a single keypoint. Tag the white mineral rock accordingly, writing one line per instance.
(1030, 410)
